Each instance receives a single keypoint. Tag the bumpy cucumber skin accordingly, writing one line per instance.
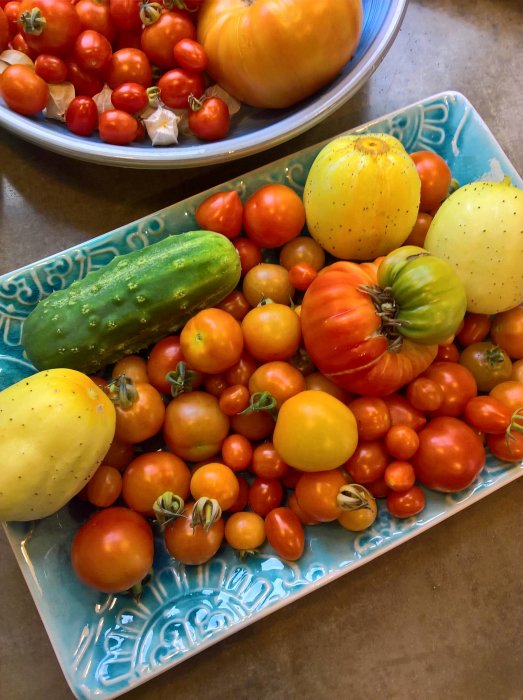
(130, 303)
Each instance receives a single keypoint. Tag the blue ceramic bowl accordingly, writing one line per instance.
(108, 644)
(253, 130)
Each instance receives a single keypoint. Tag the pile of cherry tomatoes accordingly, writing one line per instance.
(144, 52)
(201, 416)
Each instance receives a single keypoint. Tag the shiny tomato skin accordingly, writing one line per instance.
(267, 281)
(488, 363)
(285, 533)
(163, 360)
(271, 332)
(402, 412)
(50, 68)
(237, 452)
(316, 493)
(235, 304)
(509, 393)
(144, 418)
(130, 97)
(4, 30)
(425, 394)
(267, 463)
(95, 14)
(487, 414)
(113, 550)
(193, 545)
(117, 127)
(256, 425)
(125, 14)
(177, 84)
(92, 50)
(150, 475)
(399, 475)
(104, 487)
(405, 504)
(128, 65)
(62, 26)
(475, 328)
(212, 341)
(86, 83)
(327, 429)
(245, 531)
(458, 385)
(273, 215)
(217, 481)
(265, 495)
(302, 249)
(507, 332)
(190, 54)
(450, 455)
(194, 426)
(81, 116)
(221, 212)
(435, 176)
(372, 416)
(301, 275)
(209, 118)
(250, 254)
(159, 38)
(369, 461)
(508, 448)
(23, 91)
(401, 442)
(279, 378)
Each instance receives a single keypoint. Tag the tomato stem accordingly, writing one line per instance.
(122, 391)
(206, 512)
(181, 379)
(515, 425)
(150, 12)
(167, 507)
(32, 21)
(387, 310)
(261, 401)
(353, 497)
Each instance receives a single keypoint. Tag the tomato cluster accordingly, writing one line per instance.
(143, 54)
(227, 433)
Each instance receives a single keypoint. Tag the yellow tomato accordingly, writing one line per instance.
(273, 53)
(315, 431)
(362, 196)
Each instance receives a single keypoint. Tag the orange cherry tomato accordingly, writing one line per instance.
(144, 418)
(133, 366)
(399, 475)
(245, 531)
(104, 487)
(267, 281)
(119, 454)
(271, 332)
(212, 340)
(401, 442)
(193, 545)
(237, 452)
(150, 475)
(267, 463)
(372, 417)
(234, 399)
(273, 215)
(280, 379)
(215, 480)
(317, 493)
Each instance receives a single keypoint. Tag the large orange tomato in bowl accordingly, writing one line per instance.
(274, 53)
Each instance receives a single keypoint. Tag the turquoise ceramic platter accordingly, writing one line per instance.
(108, 644)
(252, 130)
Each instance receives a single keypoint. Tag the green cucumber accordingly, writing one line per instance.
(130, 303)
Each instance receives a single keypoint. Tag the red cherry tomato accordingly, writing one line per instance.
(129, 97)
(488, 414)
(95, 14)
(401, 442)
(221, 212)
(56, 28)
(368, 462)
(475, 328)
(405, 504)
(265, 495)
(128, 65)
(450, 455)
(285, 533)
(81, 116)
(425, 394)
(50, 68)
(507, 447)
(273, 215)
(92, 50)
(458, 385)
(209, 118)
(249, 252)
(160, 38)
(190, 54)
(435, 178)
(372, 417)
(86, 83)
(117, 127)
(399, 476)
(126, 14)
(177, 84)
(301, 275)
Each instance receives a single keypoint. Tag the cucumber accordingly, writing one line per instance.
(130, 303)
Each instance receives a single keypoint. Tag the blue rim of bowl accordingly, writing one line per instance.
(237, 147)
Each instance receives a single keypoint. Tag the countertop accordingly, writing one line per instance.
(438, 617)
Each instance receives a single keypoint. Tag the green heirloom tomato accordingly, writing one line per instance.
(429, 298)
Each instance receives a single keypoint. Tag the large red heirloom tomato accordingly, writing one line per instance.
(273, 53)
(349, 341)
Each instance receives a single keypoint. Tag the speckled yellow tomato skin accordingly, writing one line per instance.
(362, 196)
(479, 230)
(55, 429)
